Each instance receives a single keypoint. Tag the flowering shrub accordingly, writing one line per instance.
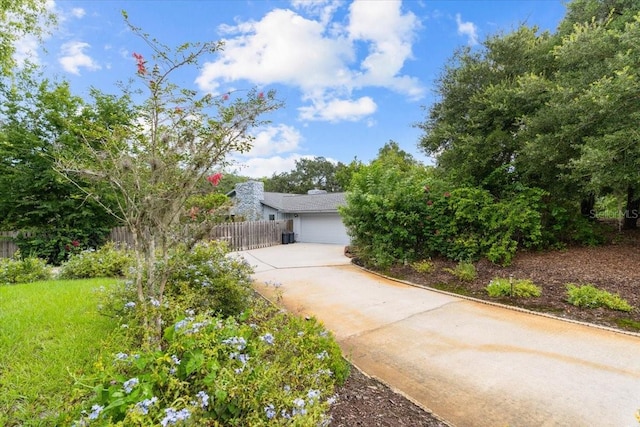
(23, 270)
(206, 279)
(201, 207)
(520, 288)
(107, 261)
(263, 367)
(56, 245)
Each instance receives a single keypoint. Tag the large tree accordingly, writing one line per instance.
(309, 174)
(542, 110)
(472, 130)
(180, 138)
(40, 119)
(587, 130)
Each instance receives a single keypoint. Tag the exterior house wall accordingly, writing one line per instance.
(268, 210)
(315, 217)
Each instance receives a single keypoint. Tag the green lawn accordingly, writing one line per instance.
(50, 332)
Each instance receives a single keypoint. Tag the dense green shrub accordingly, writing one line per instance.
(383, 214)
(57, 245)
(519, 288)
(23, 270)
(396, 215)
(562, 226)
(588, 296)
(464, 271)
(206, 278)
(107, 261)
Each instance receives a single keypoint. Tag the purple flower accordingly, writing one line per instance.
(129, 385)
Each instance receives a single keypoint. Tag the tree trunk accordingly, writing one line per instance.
(587, 206)
(632, 210)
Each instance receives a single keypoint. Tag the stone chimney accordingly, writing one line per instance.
(248, 197)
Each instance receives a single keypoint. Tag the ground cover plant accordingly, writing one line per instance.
(589, 296)
(50, 332)
(464, 270)
(509, 287)
(262, 367)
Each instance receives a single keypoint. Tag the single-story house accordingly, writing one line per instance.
(315, 215)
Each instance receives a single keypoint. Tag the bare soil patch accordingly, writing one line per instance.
(613, 267)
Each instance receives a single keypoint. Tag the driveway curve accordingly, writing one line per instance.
(470, 363)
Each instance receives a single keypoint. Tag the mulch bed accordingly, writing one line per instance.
(614, 267)
(364, 401)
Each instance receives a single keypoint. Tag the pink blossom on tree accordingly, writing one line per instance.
(215, 178)
(142, 70)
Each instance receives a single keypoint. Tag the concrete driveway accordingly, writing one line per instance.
(470, 363)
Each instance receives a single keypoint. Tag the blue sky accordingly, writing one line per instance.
(353, 75)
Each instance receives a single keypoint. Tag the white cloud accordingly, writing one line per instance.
(323, 9)
(283, 48)
(339, 110)
(468, 29)
(73, 57)
(26, 49)
(275, 140)
(319, 55)
(78, 12)
(265, 167)
(391, 36)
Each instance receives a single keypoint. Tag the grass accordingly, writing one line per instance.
(628, 324)
(50, 333)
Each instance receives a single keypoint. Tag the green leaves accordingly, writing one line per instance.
(555, 112)
(193, 359)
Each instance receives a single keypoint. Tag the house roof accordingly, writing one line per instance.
(292, 203)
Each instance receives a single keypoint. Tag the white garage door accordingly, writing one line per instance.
(322, 228)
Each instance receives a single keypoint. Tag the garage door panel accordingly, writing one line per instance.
(319, 228)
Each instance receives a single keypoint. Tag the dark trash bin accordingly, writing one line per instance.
(292, 237)
(285, 237)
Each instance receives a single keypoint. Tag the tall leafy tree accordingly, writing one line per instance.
(309, 174)
(538, 110)
(586, 131)
(40, 119)
(472, 130)
(345, 173)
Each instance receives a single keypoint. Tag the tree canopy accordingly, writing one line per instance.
(553, 111)
(41, 119)
(18, 19)
(309, 174)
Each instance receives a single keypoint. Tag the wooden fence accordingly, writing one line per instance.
(7, 247)
(240, 236)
